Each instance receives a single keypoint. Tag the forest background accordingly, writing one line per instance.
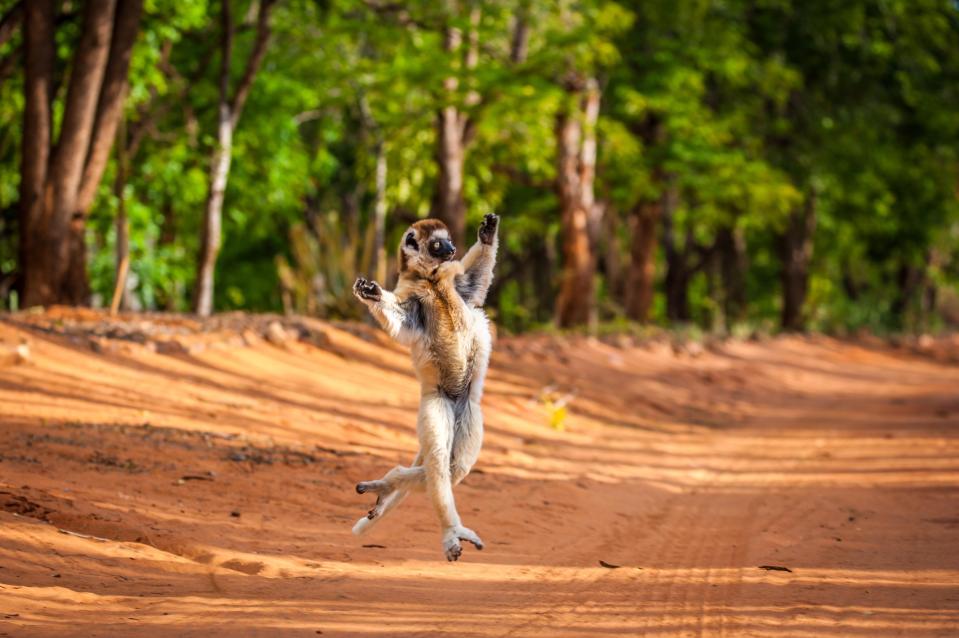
(729, 165)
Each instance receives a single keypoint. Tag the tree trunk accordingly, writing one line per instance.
(714, 313)
(40, 55)
(610, 251)
(448, 203)
(122, 224)
(379, 214)
(731, 246)
(909, 282)
(219, 172)
(213, 215)
(935, 260)
(519, 41)
(370, 128)
(642, 260)
(122, 253)
(228, 117)
(677, 286)
(53, 256)
(645, 219)
(454, 132)
(796, 247)
(576, 167)
(110, 105)
(65, 240)
(678, 269)
(168, 237)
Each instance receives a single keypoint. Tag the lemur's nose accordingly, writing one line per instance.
(442, 248)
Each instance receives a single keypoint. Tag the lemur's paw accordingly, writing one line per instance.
(366, 289)
(450, 269)
(452, 538)
(487, 230)
(447, 270)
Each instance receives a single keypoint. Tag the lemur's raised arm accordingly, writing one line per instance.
(474, 283)
(400, 319)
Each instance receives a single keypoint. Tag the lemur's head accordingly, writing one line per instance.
(425, 245)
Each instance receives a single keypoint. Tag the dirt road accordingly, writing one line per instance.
(205, 487)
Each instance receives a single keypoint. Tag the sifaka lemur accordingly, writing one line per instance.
(437, 310)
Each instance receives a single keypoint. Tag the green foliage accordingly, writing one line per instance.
(744, 109)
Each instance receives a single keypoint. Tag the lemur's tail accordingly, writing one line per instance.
(389, 504)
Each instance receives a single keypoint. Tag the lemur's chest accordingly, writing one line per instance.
(452, 339)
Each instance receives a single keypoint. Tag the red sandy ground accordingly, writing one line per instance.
(209, 493)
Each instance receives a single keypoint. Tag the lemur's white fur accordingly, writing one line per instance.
(436, 309)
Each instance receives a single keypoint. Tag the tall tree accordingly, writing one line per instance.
(229, 109)
(646, 215)
(480, 44)
(575, 176)
(454, 126)
(641, 273)
(796, 246)
(58, 181)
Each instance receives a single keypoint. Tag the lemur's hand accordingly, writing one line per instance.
(449, 269)
(487, 230)
(366, 290)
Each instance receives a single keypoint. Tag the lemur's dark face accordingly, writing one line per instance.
(425, 245)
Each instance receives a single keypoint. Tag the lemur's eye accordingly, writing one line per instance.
(411, 241)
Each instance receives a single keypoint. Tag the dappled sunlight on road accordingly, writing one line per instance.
(172, 493)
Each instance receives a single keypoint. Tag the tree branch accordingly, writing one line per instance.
(254, 61)
(148, 111)
(519, 44)
(8, 63)
(10, 22)
(40, 57)
(522, 177)
(112, 94)
(86, 78)
(398, 12)
(226, 51)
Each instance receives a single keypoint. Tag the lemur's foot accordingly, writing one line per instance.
(487, 229)
(382, 489)
(366, 289)
(451, 541)
(371, 486)
(377, 509)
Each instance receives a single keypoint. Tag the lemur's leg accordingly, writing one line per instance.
(478, 264)
(435, 430)
(384, 505)
(390, 490)
(400, 477)
(386, 309)
(467, 441)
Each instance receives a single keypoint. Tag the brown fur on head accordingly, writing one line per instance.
(424, 246)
